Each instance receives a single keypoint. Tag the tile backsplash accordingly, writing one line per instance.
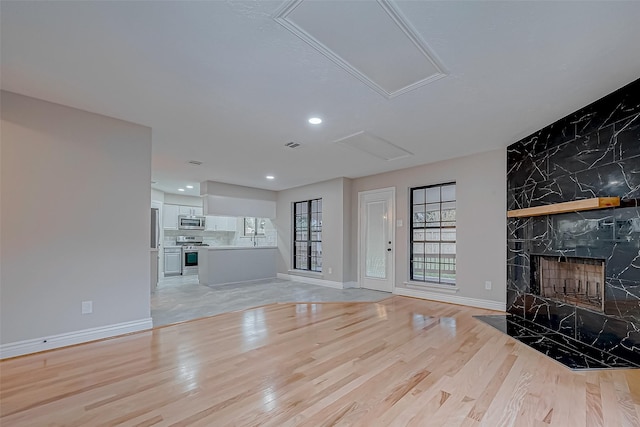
(226, 238)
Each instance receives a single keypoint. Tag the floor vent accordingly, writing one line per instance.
(194, 162)
(292, 145)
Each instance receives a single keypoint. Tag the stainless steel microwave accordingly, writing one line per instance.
(188, 222)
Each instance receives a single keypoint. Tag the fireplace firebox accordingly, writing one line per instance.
(573, 280)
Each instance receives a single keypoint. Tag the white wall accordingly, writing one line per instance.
(481, 219)
(237, 200)
(335, 241)
(178, 199)
(157, 195)
(74, 219)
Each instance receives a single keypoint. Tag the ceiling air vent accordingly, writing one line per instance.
(292, 144)
(194, 162)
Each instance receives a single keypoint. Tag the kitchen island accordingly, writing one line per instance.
(219, 265)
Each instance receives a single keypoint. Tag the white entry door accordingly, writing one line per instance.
(376, 239)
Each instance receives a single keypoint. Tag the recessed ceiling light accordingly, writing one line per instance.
(270, 177)
(189, 186)
(180, 189)
(315, 120)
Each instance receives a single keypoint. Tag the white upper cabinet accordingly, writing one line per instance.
(220, 223)
(190, 210)
(170, 217)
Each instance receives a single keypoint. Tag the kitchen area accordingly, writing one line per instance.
(211, 249)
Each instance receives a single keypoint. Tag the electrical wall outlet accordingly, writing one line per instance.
(487, 285)
(87, 307)
(329, 270)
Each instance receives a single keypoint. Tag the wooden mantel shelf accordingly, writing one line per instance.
(574, 206)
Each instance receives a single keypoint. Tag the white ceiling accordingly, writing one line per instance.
(225, 84)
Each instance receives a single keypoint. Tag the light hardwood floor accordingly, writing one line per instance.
(399, 362)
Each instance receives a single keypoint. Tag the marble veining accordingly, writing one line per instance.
(570, 352)
(594, 152)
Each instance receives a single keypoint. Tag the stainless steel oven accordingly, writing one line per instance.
(190, 246)
(189, 260)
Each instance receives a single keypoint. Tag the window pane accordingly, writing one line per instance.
(418, 196)
(432, 214)
(418, 270)
(433, 235)
(448, 193)
(448, 234)
(418, 215)
(448, 248)
(418, 251)
(419, 234)
(449, 213)
(433, 194)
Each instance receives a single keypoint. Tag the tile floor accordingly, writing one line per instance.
(181, 298)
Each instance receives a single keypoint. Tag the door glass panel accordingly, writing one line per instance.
(376, 245)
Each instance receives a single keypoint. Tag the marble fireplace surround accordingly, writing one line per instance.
(592, 153)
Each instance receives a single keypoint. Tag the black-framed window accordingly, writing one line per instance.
(307, 235)
(433, 234)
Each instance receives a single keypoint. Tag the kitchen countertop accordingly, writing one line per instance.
(226, 248)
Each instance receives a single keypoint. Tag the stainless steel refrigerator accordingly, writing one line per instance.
(155, 228)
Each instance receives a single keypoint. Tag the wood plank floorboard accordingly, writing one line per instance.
(398, 362)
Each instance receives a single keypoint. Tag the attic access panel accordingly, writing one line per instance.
(372, 41)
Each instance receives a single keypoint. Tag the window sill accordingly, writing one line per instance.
(306, 273)
(448, 289)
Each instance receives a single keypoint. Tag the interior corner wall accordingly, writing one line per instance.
(348, 270)
(74, 219)
(334, 241)
(481, 219)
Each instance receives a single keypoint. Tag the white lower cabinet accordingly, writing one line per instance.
(172, 261)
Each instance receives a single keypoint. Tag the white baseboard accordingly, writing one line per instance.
(71, 338)
(453, 299)
(236, 283)
(351, 284)
(312, 281)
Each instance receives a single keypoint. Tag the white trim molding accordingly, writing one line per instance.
(36, 345)
(448, 298)
(313, 281)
